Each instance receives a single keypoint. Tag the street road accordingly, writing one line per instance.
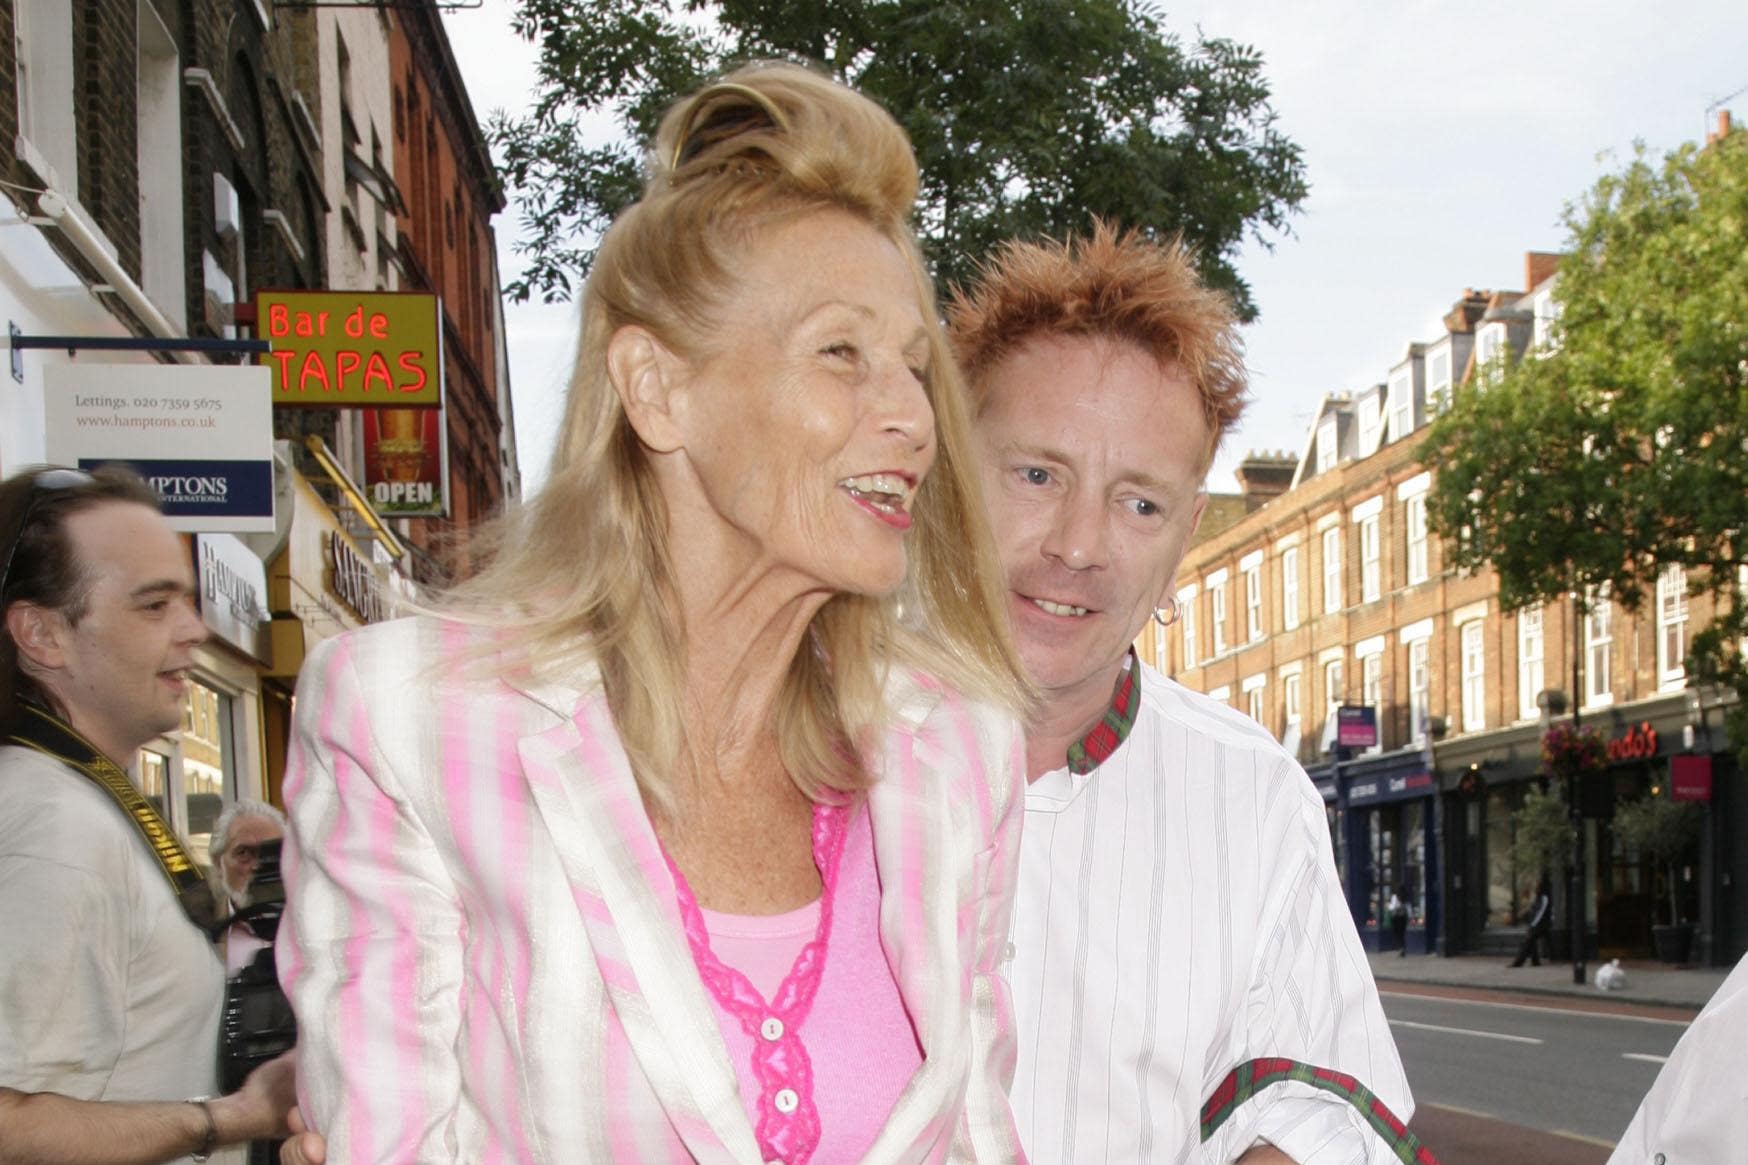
(1521, 1081)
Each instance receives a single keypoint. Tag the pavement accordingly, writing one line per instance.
(1649, 984)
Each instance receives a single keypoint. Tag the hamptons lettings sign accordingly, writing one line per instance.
(201, 435)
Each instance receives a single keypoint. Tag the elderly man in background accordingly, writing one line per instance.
(1188, 984)
(109, 992)
(235, 851)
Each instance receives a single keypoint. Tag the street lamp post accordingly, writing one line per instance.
(1575, 890)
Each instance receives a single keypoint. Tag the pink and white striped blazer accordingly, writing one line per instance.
(484, 949)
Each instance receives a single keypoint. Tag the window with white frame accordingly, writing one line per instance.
(47, 139)
(1672, 626)
(1186, 602)
(1221, 694)
(1414, 519)
(1529, 661)
(158, 113)
(1401, 404)
(1332, 569)
(1474, 677)
(1254, 689)
(1419, 690)
(1253, 602)
(1490, 352)
(1599, 651)
(1333, 691)
(1217, 613)
(1372, 691)
(1438, 378)
(1371, 561)
(1371, 418)
(1291, 705)
(1547, 317)
(1328, 444)
(1290, 587)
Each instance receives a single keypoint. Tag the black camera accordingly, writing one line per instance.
(257, 1023)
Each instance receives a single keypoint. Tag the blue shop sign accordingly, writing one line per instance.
(1377, 790)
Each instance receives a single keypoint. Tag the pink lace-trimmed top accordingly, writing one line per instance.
(807, 1004)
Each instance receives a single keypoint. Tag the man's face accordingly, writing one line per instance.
(243, 852)
(121, 671)
(1094, 458)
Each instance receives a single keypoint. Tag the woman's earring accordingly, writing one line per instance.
(1167, 615)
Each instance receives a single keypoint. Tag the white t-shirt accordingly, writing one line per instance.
(1697, 1110)
(107, 991)
(1179, 915)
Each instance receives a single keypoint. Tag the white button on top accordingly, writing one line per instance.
(772, 1028)
(1008, 954)
(786, 1101)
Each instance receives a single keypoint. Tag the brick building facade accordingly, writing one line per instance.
(165, 160)
(1335, 593)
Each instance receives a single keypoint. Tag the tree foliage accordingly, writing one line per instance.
(1028, 117)
(1665, 831)
(1623, 447)
(1542, 841)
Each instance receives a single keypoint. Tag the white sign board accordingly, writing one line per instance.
(200, 434)
(233, 591)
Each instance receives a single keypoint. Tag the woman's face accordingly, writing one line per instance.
(807, 427)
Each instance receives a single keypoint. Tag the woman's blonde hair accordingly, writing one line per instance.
(583, 572)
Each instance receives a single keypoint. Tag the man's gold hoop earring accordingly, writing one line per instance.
(1170, 613)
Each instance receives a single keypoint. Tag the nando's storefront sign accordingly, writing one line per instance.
(352, 348)
(1637, 743)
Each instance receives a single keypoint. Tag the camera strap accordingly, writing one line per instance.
(39, 729)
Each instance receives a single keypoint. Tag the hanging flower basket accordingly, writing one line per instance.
(1570, 752)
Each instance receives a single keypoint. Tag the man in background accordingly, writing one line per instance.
(109, 991)
(235, 851)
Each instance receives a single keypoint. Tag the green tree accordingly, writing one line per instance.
(1664, 830)
(1028, 117)
(1542, 834)
(1621, 449)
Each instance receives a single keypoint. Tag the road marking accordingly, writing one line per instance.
(1457, 1108)
(1487, 1116)
(1645, 1056)
(1384, 990)
(1463, 1031)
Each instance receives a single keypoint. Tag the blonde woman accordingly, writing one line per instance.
(688, 831)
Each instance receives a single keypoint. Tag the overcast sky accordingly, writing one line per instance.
(1442, 142)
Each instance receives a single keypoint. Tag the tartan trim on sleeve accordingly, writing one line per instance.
(1251, 1077)
(1096, 747)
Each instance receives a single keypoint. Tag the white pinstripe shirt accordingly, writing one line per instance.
(1179, 915)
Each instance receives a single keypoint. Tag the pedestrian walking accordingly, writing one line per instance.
(1398, 911)
(1540, 915)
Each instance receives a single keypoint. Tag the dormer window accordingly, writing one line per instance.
(1490, 351)
(1371, 424)
(1402, 404)
(1326, 444)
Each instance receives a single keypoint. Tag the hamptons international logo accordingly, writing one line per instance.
(188, 488)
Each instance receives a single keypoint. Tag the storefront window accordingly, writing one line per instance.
(155, 778)
(1414, 858)
(208, 764)
(190, 777)
(1503, 884)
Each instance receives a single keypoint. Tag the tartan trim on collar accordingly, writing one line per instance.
(1251, 1077)
(1096, 747)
